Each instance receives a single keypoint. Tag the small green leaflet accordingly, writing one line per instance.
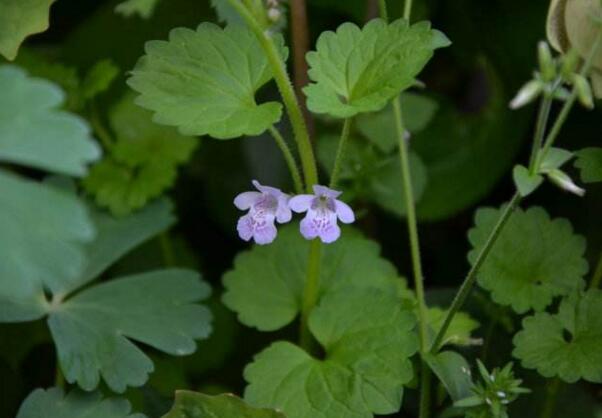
(589, 161)
(368, 336)
(525, 182)
(265, 287)
(52, 403)
(143, 161)
(360, 70)
(534, 259)
(18, 20)
(198, 405)
(459, 331)
(454, 373)
(142, 8)
(99, 78)
(225, 12)
(35, 133)
(204, 82)
(566, 344)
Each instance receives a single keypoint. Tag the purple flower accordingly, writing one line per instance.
(264, 206)
(322, 209)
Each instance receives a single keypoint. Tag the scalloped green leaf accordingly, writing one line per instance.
(589, 162)
(368, 337)
(534, 259)
(360, 70)
(566, 344)
(265, 288)
(53, 403)
(93, 329)
(204, 82)
(34, 131)
(197, 405)
(18, 20)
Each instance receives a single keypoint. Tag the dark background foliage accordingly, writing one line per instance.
(493, 50)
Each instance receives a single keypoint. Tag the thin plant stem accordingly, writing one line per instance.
(597, 277)
(310, 294)
(278, 66)
(340, 157)
(289, 158)
(300, 41)
(407, 10)
(102, 133)
(471, 278)
(550, 402)
(540, 130)
(384, 14)
(59, 378)
(169, 258)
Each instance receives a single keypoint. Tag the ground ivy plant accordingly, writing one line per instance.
(347, 334)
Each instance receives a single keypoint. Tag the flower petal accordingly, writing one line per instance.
(267, 189)
(266, 233)
(320, 223)
(308, 229)
(301, 203)
(330, 234)
(283, 213)
(344, 212)
(326, 191)
(245, 200)
(245, 228)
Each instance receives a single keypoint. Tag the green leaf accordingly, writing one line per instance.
(368, 339)
(380, 128)
(459, 331)
(198, 405)
(566, 344)
(589, 161)
(52, 403)
(92, 330)
(555, 158)
(525, 182)
(18, 20)
(454, 372)
(225, 12)
(99, 78)
(265, 287)
(34, 132)
(142, 8)
(360, 70)
(205, 81)
(41, 245)
(143, 162)
(534, 259)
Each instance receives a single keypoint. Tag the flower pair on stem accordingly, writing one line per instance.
(269, 204)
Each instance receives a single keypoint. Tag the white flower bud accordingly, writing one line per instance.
(528, 93)
(562, 180)
(274, 14)
(547, 66)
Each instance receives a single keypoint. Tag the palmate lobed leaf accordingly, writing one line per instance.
(53, 403)
(360, 70)
(198, 405)
(35, 133)
(18, 20)
(589, 162)
(204, 82)
(265, 287)
(534, 259)
(368, 336)
(567, 344)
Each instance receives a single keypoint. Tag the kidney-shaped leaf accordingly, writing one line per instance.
(18, 20)
(360, 70)
(204, 82)
(198, 405)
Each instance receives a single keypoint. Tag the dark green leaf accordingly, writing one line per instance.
(197, 405)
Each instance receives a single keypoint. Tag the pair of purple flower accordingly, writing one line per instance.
(270, 204)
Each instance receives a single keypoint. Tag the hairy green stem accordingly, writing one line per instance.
(287, 92)
(550, 402)
(289, 158)
(310, 294)
(471, 278)
(597, 277)
(340, 157)
(384, 14)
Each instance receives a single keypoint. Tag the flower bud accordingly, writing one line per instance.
(547, 66)
(584, 91)
(528, 93)
(562, 180)
(274, 14)
(570, 62)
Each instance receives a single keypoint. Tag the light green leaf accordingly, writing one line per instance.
(92, 330)
(566, 344)
(34, 132)
(555, 158)
(18, 20)
(454, 372)
(41, 244)
(459, 331)
(265, 287)
(525, 182)
(198, 405)
(99, 78)
(534, 259)
(589, 161)
(52, 403)
(225, 12)
(360, 70)
(380, 128)
(142, 8)
(205, 81)
(368, 339)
